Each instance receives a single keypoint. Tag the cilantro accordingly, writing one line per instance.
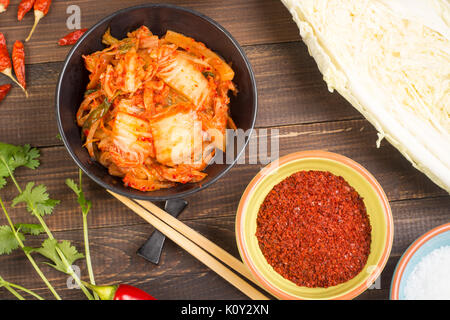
(88, 92)
(12, 157)
(33, 229)
(124, 48)
(207, 74)
(37, 199)
(61, 253)
(85, 207)
(84, 204)
(49, 250)
(8, 241)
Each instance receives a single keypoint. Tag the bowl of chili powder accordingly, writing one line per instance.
(314, 225)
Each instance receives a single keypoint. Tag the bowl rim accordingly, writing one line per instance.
(177, 195)
(394, 293)
(321, 155)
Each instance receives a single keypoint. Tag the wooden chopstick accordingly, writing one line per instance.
(200, 240)
(192, 248)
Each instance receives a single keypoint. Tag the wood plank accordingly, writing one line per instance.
(291, 94)
(380, 289)
(293, 102)
(291, 90)
(179, 275)
(31, 120)
(398, 178)
(241, 18)
(115, 261)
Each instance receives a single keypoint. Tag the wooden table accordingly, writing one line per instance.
(293, 98)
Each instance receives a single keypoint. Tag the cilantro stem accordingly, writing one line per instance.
(74, 276)
(30, 258)
(63, 257)
(11, 174)
(87, 250)
(85, 211)
(7, 284)
(50, 236)
(14, 292)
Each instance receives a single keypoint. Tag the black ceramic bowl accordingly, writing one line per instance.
(158, 18)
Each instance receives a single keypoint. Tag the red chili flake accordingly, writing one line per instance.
(313, 229)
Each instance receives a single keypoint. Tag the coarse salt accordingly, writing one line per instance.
(430, 278)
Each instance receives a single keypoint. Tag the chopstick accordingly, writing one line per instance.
(200, 240)
(194, 249)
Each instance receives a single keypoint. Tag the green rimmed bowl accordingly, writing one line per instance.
(360, 179)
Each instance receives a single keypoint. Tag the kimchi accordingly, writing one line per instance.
(155, 109)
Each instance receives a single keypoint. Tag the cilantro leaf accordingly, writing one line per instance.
(33, 229)
(70, 252)
(207, 74)
(32, 155)
(12, 157)
(8, 241)
(84, 204)
(49, 250)
(37, 199)
(72, 185)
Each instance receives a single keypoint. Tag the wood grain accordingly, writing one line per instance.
(294, 105)
(398, 178)
(241, 18)
(292, 94)
(114, 258)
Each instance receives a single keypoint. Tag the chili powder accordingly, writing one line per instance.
(313, 229)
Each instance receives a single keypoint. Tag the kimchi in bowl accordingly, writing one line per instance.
(159, 19)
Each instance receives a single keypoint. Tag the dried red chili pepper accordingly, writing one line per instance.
(4, 5)
(313, 229)
(41, 8)
(119, 292)
(18, 59)
(71, 38)
(24, 7)
(4, 89)
(5, 62)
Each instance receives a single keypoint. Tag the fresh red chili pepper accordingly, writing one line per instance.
(313, 229)
(4, 5)
(127, 292)
(41, 8)
(5, 62)
(18, 59)
(119, 292)
(24, 7)
(71, 38)
(4, 89)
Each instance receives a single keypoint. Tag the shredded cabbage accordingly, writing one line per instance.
(391, 60)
